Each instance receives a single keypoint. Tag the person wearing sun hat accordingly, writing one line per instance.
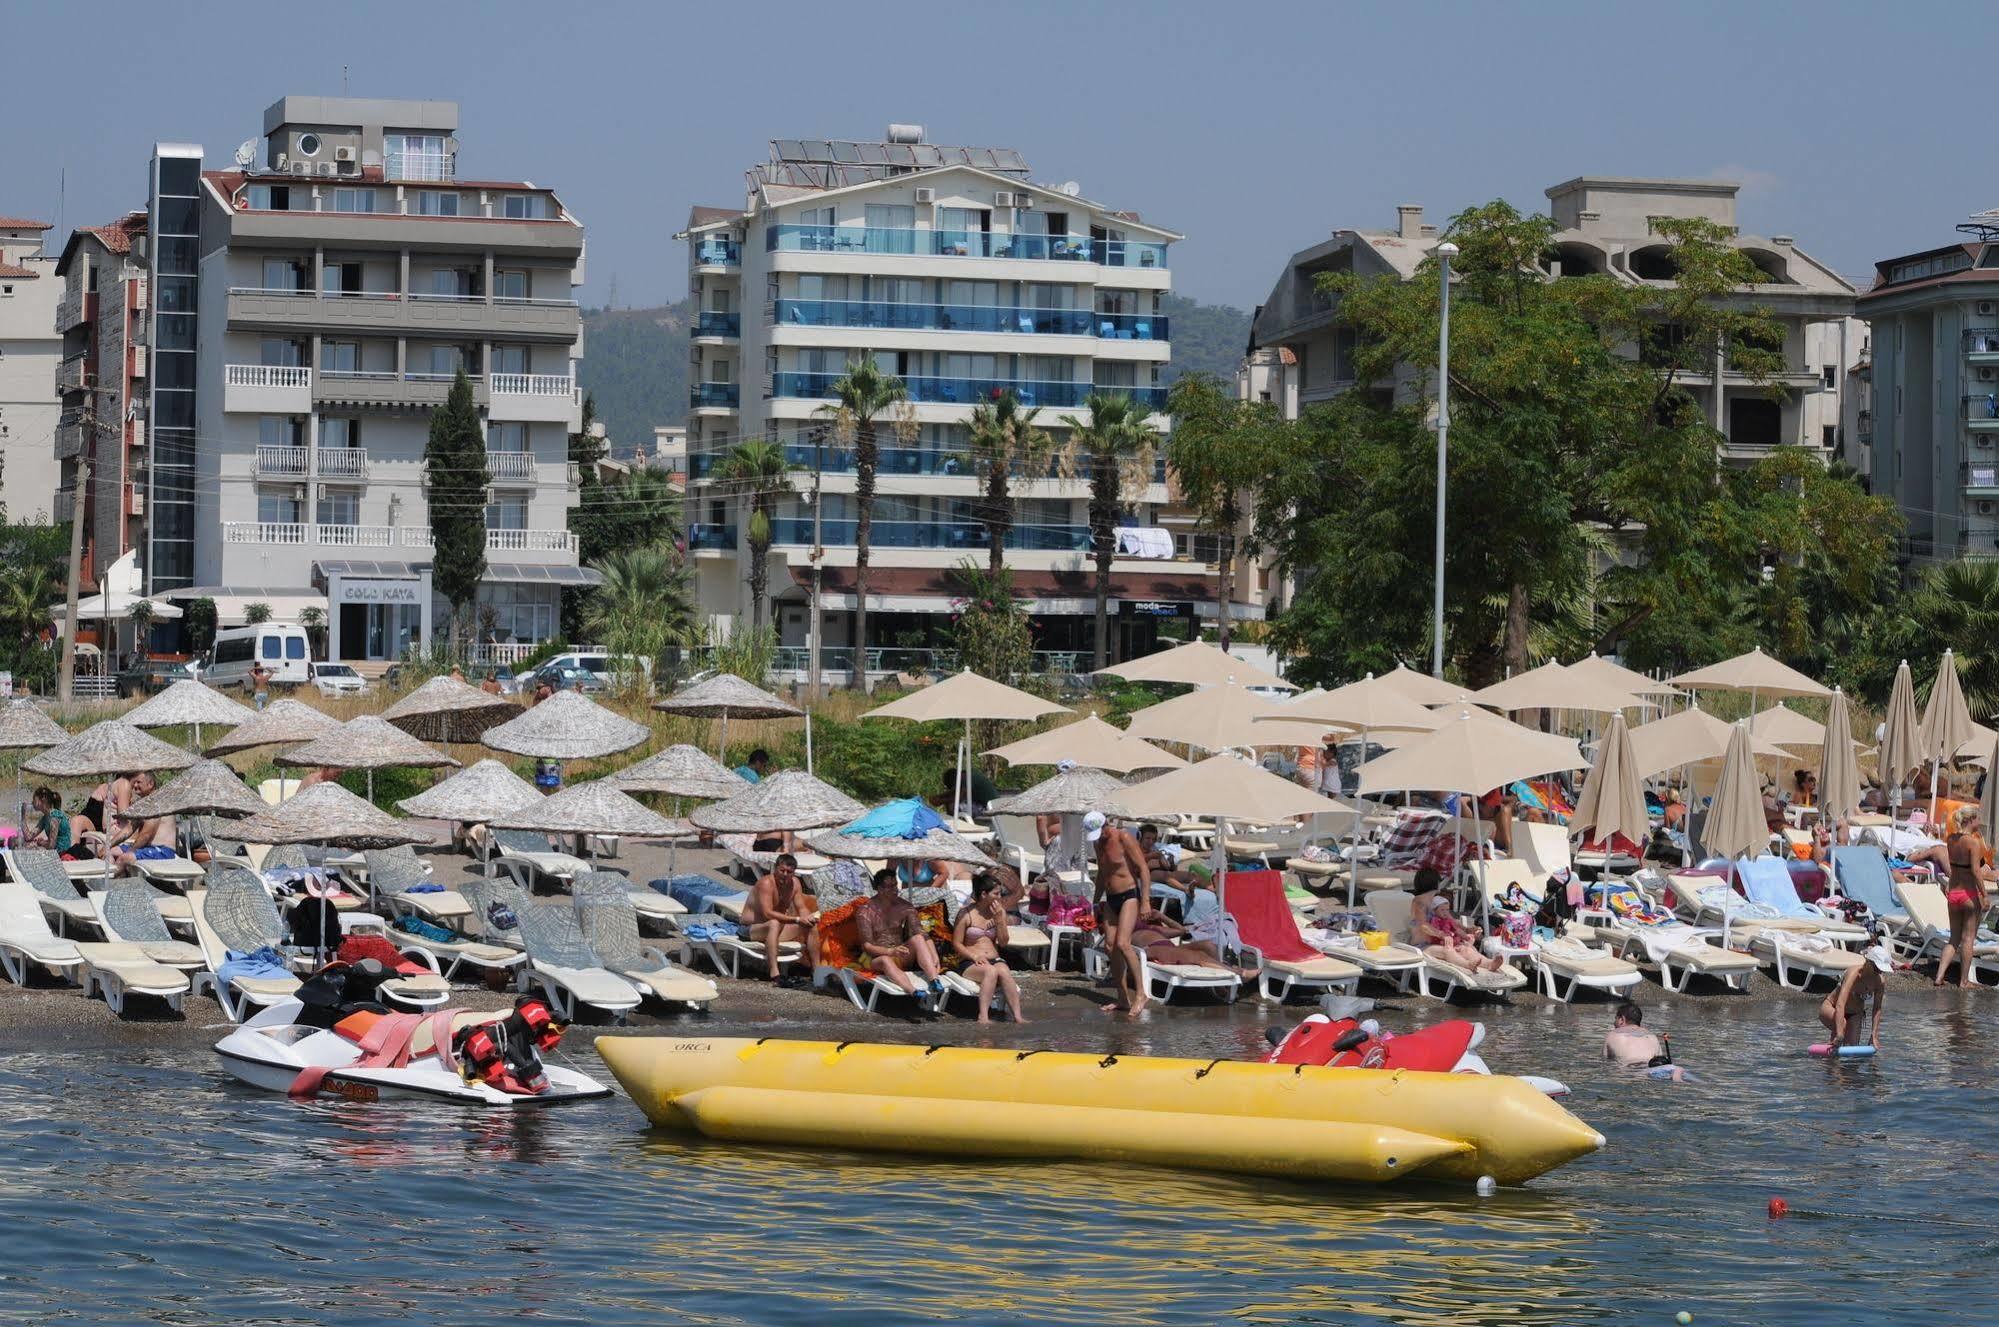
(1864, 983)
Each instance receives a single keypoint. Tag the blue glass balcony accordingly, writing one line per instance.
(970, 318)
(719, 251)
(711, 323)
(964, 244)
(711, 536)
(714, 394)
(973, 391)
(797, 530)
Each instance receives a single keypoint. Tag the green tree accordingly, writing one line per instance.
(1114, 450)
(199, 620)
(1952, 605)
(456, 479)
(1220, 451)
(314, 622)
(256, 614)
(756, 470)
(143, 616)
(862, 396)
(643, 605)
(25, 595)
(1003, 440)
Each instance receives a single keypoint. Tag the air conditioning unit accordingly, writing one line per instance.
(329, 168)
(343, 154)
(1003, 199)
(1985, 509)
(1023, 200)
(926, 195)
(138, 290)
(138, 504)
(1985, 307)
(301, 168)
(1985, 374)
(284, 162)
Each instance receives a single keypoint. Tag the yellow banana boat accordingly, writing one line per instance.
(1306, 1121)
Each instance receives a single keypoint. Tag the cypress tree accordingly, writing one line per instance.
(455, 475)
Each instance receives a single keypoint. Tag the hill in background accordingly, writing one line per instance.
(635, 360)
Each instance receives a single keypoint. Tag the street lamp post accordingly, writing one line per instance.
(818, 559)
(1445, 252)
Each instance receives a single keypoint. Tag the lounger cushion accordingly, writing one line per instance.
(1314, 969)
(592, 986)
(673, 983)
(443, 903)
(128, 965)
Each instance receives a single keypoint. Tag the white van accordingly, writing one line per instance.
(282, 648)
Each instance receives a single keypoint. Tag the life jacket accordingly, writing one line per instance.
(506, 1054)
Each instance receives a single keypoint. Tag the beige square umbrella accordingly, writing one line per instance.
(368, 743)
(1196, 664)
(1222, 716)
(111, 747)
(1421, 687)
(1901, 738)
(1091, 742)
(1783, 726)
(788, 800)
(209, 788)
(1597, 668)
(723, 695)
(1735, 825)
(1754, 672)
(1613, 797)
(1372, 705)
(1470, 752)
(567, 726)
(445, 709)
(967, 696)
(1947, 724)
(1690, 737)
(1553, 687)
(191, 704)
(327, 813)
(1839, 768)
(474, 795)
(280, 723)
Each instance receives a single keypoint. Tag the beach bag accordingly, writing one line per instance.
(500, 917)
(1374, 939)
(1515, 930)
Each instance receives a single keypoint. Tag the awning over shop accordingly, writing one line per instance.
(530, 573)
(232, 602)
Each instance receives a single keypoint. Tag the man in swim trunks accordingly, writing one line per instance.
(1841, 1011)
(893, 939)
(1632, 1047)
(1124, 885)
(778, 910)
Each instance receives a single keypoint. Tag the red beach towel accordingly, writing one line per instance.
(1256, 900)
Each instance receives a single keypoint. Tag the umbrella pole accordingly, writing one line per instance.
(808, 740)
(958, 782)
(1936, 768)
(722, 742)
(1353, 857)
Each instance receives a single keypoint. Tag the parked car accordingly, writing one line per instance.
(337, 679)
(563, 678)
(149, 675)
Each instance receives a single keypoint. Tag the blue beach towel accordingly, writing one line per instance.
(692, 892)
(1767, 880)
(906, 818)
(266, 964)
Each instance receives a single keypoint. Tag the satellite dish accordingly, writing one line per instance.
(1072, 189)
(247, 152)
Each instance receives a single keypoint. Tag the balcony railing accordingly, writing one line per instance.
(1978, 476)
(837, 659)
(533, 384)
(963, 244)
(727, 394)
(713, 323)
(355, 536)
(973, 391)
(530, 541)
(75, 374)
(719, 251)
(1981, 344)
(265, 532)
(510, 465)
(714, 536)
(970, 318)
(834, 460)
(268, 375)
(793, 530)
(1981, 410)
(283, 462)
(341, 462)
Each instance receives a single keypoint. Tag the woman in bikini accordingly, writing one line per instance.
(1969, 873)
(976, 937)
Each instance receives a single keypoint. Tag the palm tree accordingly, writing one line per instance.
(25, 594)
(1116, 449)
(643, 604)
(757, 469)
(1003, 438)
(861, 395)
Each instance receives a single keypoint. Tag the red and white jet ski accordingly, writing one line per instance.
(1449, 1047)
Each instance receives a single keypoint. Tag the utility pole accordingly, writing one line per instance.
(79, 496)
(818, 560)
(1445, 252)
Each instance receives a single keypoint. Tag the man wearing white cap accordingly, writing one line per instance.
(1123, 886)
(1841, 1011)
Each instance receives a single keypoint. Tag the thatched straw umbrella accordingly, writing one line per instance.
(24, 727)
(590, 808)
(681, 771)
(447, 710)
(111, 747)
(188, 703)
(567, 726)
(210, 788)
(725, 694)
(367, 743)
(327, 813)
(939, 845)
(788, 800)
(474, 795)
(1071, 792)
(282, 723)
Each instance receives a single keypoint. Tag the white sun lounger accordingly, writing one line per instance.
(118, 971)
(239, 996)
(1929, 923)
(1390, 908)
(610, 926)
(130, 914)
(42, 871)
(562, 964)
(26, 940)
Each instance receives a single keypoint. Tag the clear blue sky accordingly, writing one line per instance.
(1252, 128)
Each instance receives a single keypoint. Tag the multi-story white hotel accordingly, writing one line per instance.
(962, 277)
(29, 352)
(310, 306)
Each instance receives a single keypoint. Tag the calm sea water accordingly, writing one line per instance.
(156, 1190)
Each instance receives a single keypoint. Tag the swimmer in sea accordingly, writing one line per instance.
(1633, 1047)
(1842, 1011)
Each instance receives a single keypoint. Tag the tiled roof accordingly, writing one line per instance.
(118, 236)
(10, 270)
(22, 223)
(708, 216)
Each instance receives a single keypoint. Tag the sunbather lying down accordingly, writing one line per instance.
(1632, 1047)
(1166, 941)
(1442, 936)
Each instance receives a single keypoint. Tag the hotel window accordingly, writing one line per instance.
(510, 284)
(339, 506)
(454, 283)
(436, 203)
(510, 359)
(278, 352)
(718, 300)
(525, 207)
(353, 200)
(509, 437)
(507, 513)
(284, 274)
(340, 356)
(281, 431)
(720, 370)
(415, 157)
(339, 434)
(279, 506)
(340, 278)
